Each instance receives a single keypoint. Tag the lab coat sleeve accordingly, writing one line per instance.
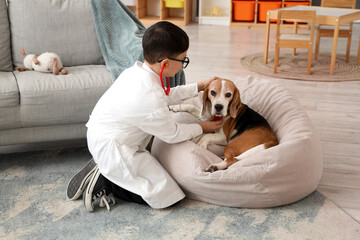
(160, 124)
(180, 93)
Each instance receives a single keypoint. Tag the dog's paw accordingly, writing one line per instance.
(216, 167)
(212, 168)
(175, 108)
(203, 143)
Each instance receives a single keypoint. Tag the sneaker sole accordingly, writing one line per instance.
(78, 183)
(87, 196)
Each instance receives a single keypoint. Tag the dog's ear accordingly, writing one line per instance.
(235, 104)
(205, 100)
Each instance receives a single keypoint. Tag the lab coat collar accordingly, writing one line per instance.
(155, 78)
(147, 68)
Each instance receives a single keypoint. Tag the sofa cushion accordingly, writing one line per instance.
(9, 101)
(60, 26)
(42, 134)
(48, 99)
(9, 92)
(5, 51)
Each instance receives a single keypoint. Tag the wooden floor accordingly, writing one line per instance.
(333, 107)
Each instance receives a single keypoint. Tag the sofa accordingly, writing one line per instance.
(41, 107)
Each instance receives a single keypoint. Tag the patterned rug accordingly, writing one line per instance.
(34, 206)
(295, 67)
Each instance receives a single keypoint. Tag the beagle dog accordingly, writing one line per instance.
(244, 132)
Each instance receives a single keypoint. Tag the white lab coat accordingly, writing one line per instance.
(133, 109)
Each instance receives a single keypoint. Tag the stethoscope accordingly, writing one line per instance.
(167, 90)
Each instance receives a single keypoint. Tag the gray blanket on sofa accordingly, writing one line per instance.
(120, 34)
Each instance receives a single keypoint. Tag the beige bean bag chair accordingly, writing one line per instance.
(276, 176)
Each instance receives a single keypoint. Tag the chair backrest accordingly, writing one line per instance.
(297, 16)
(339, 3)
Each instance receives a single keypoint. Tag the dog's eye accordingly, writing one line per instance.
(213, 93)
(228, 95)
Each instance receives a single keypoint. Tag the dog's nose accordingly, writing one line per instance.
(219, 107)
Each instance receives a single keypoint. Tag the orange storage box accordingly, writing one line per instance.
(244, 10)
(290, 4)
(265, 6)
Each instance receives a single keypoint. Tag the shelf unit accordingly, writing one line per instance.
(214, 12)
(130, 4)
(166, 14)
(256, 23)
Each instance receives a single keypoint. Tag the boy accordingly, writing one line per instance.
(123, 121)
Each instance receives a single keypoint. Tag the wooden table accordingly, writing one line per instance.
(327, 16)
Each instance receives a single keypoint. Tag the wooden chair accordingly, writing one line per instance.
(294, 40)
(328, 31)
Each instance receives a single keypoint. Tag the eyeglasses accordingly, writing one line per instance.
(185, 62)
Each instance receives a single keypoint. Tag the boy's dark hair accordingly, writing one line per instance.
(162, 40)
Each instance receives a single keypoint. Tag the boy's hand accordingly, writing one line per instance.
(210, 125)
(203, 84)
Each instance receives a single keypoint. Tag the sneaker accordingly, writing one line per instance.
(98, 188)
(78, 183)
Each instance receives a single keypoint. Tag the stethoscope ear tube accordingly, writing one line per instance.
(167, 90)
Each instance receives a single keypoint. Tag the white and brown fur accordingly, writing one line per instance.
(244, 132)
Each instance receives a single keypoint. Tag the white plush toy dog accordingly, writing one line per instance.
(45, 62)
